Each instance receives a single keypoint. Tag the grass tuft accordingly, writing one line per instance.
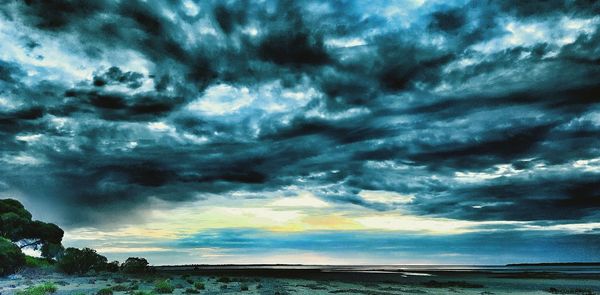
(163, 287)
(45, 288)
(199, 285)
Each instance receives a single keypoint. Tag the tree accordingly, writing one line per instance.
(11, 257)
(112, 266)
(80, 261)
(13, 217)
(135, 265)
(16, 224)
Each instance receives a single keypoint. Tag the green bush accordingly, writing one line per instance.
(163, 287)
(112, 266)
(135, 265)
(120, 288)
(11, 257)
(244, 287)
(37, 262)
(81, 261)
(223, 280)
(105, 291)
(45, 288)
(199, 285)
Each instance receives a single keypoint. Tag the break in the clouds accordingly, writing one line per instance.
(390, 121)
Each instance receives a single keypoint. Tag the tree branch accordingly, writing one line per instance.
(35, 243)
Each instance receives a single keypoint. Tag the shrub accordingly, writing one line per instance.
(11, 257)
(244, 287)
(163, 287)
(199, 285)
(120, 288)
(105, 291)
(135, 265)
(224, 280)
(45, 288)
(112, 266)
(37, 262)
(81, 261)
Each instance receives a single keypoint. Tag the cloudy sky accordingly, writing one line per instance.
(306, 131)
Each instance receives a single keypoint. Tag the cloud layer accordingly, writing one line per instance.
(469, 110)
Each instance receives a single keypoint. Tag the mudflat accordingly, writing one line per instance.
(313, 280)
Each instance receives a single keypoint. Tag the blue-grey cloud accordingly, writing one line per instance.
(334, 97)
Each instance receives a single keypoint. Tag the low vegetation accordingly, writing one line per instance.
(45, 288)
(578, 291)
(163, 287)
(451, 284)
(104, 291)
(199, 285)
(118, 288)
(37, 262)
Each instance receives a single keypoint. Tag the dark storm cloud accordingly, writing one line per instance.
(118, 106)
(548, 197)
(545, 8)
(406, 108)
(115, 75)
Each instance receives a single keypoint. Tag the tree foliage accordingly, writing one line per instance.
(112, 266)
(80, 261)
(135, 265)
(11, 257)
(17, 225)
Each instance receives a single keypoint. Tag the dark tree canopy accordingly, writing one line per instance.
(135, 265)
(11, 257)
(112, 266)
(80, 261)
(17, 225)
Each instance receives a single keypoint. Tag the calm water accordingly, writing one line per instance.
(416, 269)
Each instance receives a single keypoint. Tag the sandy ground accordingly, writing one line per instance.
(476, 284)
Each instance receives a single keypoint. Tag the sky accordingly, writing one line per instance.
(304, 131)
